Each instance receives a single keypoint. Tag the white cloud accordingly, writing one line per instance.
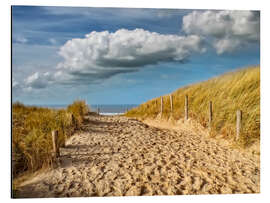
(20, 39)
(53, 41)
(102, 54)
(227, 45)
(230, 30)
(39, 80)
(15, 84)
(18, 87)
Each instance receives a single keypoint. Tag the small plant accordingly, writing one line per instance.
(78, 109)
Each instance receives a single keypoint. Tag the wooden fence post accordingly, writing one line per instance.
(186, 107)
(171, 102)
(74, 122)
(72, 119)
(238, 123)
(210, 115)
(161, 105)
(55, 143)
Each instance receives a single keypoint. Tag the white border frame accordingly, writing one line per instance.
(191, 4)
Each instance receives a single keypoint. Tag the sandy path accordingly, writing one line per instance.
(117, 156)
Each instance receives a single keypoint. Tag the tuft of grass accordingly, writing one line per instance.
(31, 133)
(229, 92)
(78, 109)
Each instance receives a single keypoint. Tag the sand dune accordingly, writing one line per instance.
(116, 156)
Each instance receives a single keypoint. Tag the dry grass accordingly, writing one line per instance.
(229, 92)
(31, 134)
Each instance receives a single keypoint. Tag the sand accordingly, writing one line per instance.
(118, 156)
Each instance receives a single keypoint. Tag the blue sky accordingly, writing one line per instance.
(124, 56)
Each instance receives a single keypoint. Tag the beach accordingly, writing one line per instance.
(120, 156)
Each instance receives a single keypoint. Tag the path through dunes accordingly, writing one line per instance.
(116, 156)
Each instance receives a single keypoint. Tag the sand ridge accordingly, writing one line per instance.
(119, 156)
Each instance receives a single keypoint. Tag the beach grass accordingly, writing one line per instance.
(31, 133)
(229, 92)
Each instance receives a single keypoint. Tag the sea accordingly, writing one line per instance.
(113, 109)
(104, 109)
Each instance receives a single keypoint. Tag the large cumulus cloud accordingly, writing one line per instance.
(100, 53)
(229, 30)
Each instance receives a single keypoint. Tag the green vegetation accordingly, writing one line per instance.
(229, 92)
(31, 133)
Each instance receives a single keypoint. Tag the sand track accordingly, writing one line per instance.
(116, 156)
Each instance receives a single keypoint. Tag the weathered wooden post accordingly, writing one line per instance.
(72, 119)
(171, 102)
(186, 107)
(161, 105)
(56, 151)
(238, 123)
(210, 115)
(74, 122)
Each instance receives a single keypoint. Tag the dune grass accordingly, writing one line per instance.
(31, 133)
(235, 90)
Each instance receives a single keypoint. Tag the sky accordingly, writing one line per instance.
(124, 55)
